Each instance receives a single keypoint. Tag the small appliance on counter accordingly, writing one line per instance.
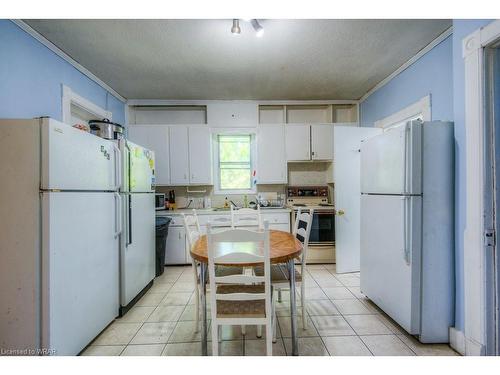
(160, 201)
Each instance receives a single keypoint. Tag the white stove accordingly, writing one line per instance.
(322, 238)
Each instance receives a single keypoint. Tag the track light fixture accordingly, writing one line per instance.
(259, 30)
(236, 30)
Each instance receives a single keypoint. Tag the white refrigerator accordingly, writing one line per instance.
(59, 228)
(137, 241)
(407, 226)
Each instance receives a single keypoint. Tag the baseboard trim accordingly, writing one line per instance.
(463, 345)
(457, 340)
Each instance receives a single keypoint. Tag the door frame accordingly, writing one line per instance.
(475, 261)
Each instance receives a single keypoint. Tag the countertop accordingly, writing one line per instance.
(212, 211)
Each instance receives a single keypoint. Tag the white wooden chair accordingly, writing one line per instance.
(243, 299)
(193, 232)
(279, 272)
(246, 217)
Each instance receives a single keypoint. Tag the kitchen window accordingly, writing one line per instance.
(234, 163)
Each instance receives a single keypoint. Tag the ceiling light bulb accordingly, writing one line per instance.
(259, 30)
(236, 27)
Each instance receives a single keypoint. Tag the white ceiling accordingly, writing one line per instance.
(201, 59)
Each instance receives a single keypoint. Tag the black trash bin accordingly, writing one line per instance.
(162, 224)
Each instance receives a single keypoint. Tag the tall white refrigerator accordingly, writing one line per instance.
(59, 228)
(407, 239)
(137, 240)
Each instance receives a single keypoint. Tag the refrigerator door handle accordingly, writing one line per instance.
(405, 158)
(129, 215)
(118, 218)
(118, 167)
(406, 247)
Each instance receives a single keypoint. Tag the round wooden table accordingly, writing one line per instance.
(285, 248)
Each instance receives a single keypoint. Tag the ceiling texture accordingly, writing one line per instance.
(202, 60)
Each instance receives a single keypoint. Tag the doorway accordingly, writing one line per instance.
(492, 195)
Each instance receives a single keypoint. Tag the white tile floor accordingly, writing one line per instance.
(341, 321)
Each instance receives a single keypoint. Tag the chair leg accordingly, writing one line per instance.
(215, 339)
(197, 307)
(274, 320)
(259, 331)
(219, 332)
(304, 309)
(269, 338)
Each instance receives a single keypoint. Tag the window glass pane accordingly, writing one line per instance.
(235, 179)
(234, 148)
(235, 162)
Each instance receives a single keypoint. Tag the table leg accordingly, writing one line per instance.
(293, 307)
(203, 301)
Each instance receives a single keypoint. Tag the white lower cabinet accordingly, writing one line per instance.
(175, 249)
(278, 221)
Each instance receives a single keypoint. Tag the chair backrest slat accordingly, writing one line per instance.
(192, 227)
(302, 229)
(246, 217)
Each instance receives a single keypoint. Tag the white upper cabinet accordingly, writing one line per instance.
(297, 142)
(309, 142)
(190, 155)
(155, 138)
(179, 155)
(271, 160)
(322, 142)
(200, 156)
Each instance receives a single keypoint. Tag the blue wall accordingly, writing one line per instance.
(31, 76)
(431, 74)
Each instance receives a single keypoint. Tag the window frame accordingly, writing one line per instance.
(253, 161)
(421, 109)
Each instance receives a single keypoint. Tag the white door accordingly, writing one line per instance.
(80, 268)
(155, 138)
(137, 250)
(322, 142)
(200, 155)
(390, 256)
(392, 161)
(347, 142)
(271, 161)
(76, 160)
(175, 248)
(297, 142)
(179, 155)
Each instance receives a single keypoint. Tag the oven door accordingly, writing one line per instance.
(323, 228)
